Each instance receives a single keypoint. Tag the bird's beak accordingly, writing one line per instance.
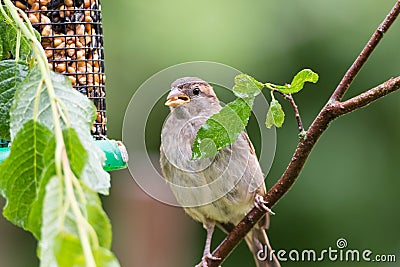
(176, 98)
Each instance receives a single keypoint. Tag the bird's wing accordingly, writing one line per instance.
(257, 183)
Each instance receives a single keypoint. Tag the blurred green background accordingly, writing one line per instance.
(349, 187)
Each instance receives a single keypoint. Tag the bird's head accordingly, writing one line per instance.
(190, 91)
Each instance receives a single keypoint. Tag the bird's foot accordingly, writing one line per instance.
(204, 263)
(261, 204)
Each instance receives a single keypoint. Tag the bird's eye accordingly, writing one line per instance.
(196, 91)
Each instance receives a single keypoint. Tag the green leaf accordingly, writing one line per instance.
(207, 147)
(4, 43)
(61, 240)
(77, 156)
(246, 86)
(20, 172)
(11, 75)
(8, 41)
(32, 101)
(68, 250)
(298, 81)
(69, 253)
(275, 115)
(222, 128)
(34, 224)
(105, 258)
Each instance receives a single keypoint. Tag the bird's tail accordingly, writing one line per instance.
(258, 243)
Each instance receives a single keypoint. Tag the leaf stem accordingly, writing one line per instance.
(18, 45)
(289, 97)
(77, 212)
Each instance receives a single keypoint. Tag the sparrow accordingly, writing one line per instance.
(214, 191)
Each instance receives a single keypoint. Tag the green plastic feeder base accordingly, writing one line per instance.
(115, 151)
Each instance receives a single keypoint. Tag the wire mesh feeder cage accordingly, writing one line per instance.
(72, 37)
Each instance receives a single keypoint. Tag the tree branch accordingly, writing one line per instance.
(333, 109)
(365, 53)
(369, 96)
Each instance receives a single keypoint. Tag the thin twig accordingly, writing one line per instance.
(333, 109)
(289, 97)
(365, 53)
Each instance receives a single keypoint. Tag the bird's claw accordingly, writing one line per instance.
(261, 204)
(204, 262)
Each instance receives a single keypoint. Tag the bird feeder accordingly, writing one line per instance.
(72, 38)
